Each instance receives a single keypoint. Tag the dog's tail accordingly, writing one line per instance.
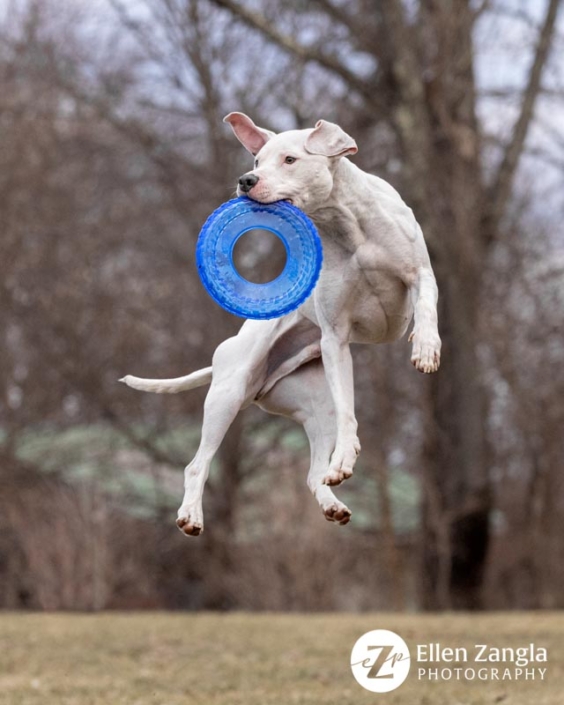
(170, 386)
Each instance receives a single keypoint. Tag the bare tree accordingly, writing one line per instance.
(424, 79)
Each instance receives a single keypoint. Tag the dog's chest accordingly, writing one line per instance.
(380, 314)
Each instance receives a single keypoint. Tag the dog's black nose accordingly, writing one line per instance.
(247, 181)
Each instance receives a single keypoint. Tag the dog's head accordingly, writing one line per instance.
(296, 166)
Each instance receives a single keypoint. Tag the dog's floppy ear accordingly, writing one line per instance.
(330, 140)
(252, 138)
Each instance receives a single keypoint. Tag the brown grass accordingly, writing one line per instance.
(258, 659)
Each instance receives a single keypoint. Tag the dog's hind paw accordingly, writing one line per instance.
(338, 513)
(189, 524)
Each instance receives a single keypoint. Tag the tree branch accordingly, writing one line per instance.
(503, 182)
(410, 112)
(259, 22)
(479, 11)
(356, 26)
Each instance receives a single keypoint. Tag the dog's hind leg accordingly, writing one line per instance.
(305, 397)
(238, 372)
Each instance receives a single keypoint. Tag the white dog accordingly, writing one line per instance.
(376, 276)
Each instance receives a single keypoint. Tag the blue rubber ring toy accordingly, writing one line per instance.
(214, 258)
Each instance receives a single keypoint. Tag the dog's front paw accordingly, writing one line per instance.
(342, 464)
(190, 521)
(337, 512)
(426, 352)
(335, 477)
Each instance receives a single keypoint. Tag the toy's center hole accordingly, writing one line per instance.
(259, 256)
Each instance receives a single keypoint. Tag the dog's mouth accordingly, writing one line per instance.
(265, 200)
(265, 196)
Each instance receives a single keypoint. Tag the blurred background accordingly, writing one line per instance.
(113, 153)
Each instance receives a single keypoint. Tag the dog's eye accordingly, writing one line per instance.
(289, 160)
(256, 163)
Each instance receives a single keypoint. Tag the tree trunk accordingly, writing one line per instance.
(457, 497)
(456, 536)
(456, 477)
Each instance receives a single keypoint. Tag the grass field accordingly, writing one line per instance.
(259, 659)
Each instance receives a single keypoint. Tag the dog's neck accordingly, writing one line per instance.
(340, 216)
(344, 195)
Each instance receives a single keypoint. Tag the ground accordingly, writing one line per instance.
(252, 659)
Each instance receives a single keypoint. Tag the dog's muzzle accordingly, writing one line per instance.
(247, 181)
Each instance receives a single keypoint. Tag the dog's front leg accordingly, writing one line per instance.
(305, 397)
(426, 351)
(337, 361)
